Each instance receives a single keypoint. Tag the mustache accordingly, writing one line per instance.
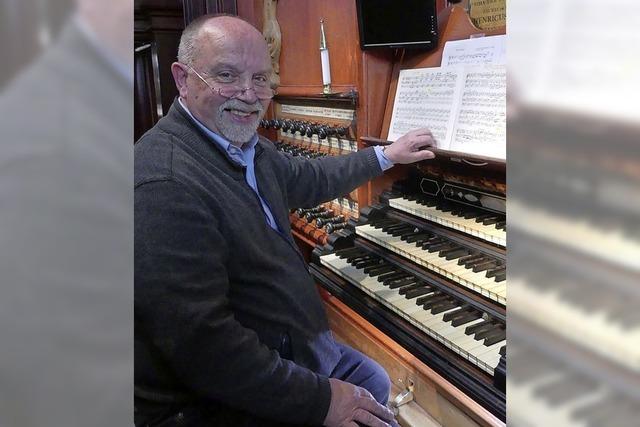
(239, 105)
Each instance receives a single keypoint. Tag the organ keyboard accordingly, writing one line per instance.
(468, 265)
(465, 329)
(438, 290)
(468, 211)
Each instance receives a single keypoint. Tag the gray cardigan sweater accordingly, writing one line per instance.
(225, 309)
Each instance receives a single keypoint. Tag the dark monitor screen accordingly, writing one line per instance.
(394, 24)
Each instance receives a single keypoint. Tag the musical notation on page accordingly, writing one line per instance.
(476, 51)
(465, 107)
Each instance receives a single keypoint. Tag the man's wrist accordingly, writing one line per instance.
(385, 162)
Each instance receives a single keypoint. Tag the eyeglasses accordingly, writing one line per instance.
(235, 91)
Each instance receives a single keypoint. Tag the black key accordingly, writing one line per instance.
(478, 261)
(484, 332)
(503, 350)
(447, 305)
(444, 252)
(392, 227)
(492, 272)
(500, 225)
(406, 288)
(495, 337)
(430, 302)
(392, 276)
(361, 257)
(380, 270)
(464, 308)
(470, 317)
(483, 266)
(382, 223)
(356, 258)
(501, 277)
(350, 258)
(342, 253)
(470, 214)
(364, 257)
(422, 240)
(395, 284)
(441, 246)
(469, 258)
(418, 292)
(478, 326)
(416, 237)
(492, 220)
(456, 253)
(409, 235)
(368, 269)
(425, 299)
(367, 263)
(402, 231)
(482, 217)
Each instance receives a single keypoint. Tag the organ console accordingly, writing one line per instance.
(412, 266)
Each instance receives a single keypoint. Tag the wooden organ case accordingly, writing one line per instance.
(452, 206)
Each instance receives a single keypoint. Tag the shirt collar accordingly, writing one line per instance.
(220, 140)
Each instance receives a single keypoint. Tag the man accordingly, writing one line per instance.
(230, 329)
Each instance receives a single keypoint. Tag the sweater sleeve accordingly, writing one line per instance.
(313, 181)
(181, 288)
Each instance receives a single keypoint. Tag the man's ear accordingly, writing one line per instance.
(180, 77)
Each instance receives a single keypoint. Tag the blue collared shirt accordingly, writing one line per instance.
(244, 157)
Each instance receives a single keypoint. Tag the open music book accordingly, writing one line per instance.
(465, 107)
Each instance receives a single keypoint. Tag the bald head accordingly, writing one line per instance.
(223, 75)
(215, 31)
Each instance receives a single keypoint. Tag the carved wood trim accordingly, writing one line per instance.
(271, 33)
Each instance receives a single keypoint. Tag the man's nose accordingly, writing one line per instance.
(248, 95)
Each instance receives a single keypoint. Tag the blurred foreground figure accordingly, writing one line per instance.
(573, 210)
(66, 227)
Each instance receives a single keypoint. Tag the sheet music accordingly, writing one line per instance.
(479, 50)
(426, 97)
(480, 124)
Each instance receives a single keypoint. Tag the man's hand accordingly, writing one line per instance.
(351, 405)
(409, 148)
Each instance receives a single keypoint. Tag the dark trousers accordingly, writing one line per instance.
(358, 369)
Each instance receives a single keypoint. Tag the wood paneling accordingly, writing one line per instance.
(300, 56)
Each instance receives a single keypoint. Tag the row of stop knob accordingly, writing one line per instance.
(294, 150)
(323, 218)
(304, 128)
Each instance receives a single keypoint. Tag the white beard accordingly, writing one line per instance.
(239, 133)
